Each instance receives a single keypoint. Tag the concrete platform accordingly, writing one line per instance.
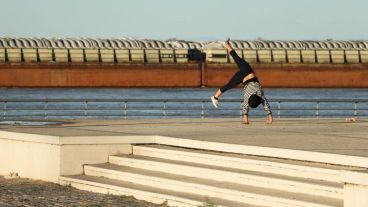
(336, 136)
(293, 162)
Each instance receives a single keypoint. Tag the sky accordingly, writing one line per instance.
(200, 20)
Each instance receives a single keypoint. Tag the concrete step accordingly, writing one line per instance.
(207, 187)
(318, 171)
(144, 192)
(225, 174)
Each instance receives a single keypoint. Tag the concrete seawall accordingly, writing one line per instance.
(178, 75)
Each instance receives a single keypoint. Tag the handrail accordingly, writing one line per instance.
(10, 109)
(174, 100)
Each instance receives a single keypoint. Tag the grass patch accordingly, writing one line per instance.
(208, 204)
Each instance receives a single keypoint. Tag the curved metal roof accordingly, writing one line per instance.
(324, 44)
(122, 43)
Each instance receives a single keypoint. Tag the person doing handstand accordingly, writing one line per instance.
(253, 93)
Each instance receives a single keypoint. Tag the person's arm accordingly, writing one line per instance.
(245, 108)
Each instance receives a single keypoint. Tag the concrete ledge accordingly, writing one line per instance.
(355, 188)
(78, 140)
(320, 157)
(47, 157)
(355, 177)
(75, 140)
(25, 137)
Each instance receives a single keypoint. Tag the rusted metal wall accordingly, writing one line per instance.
(97, 75)
(296, 75)
(179, 75)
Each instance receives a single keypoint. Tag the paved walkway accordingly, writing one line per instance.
(320, 135)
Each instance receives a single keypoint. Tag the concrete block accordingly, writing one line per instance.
(355, 188)
(352, 56)
(92, 55)
(76, 55)
(355, 195)
(293, 56)
(364, 56)
(47, 157)
(250, 56)
(70, 164)
(279, 56)
(338, 56)
(30, 159)
(2, 55)
(294, 169)
(217, 175)
(137, 55)
(308, 56)
(107, 56)
(61, 55)
(30, 54)
(239, 52)
(323, 56)
(45, 54)
(122, 55)
(167, 55)
(264, 56)
(309, 156)
(14, 55)
(181, 55)
(152, 55)
(172, 198)
(216, 55)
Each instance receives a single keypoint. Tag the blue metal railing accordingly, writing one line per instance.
(165, 108)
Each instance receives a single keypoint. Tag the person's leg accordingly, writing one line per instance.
(240, 62)
(218, 93)
(215, 98)
(234, 81)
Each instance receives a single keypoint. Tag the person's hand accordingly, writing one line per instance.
(269, 119)
(245, 119)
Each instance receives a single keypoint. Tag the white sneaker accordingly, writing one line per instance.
(214, 102)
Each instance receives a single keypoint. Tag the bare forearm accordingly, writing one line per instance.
(245, 119)
(269, 119)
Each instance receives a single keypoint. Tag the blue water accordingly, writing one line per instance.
(176, 93)
(148, 110)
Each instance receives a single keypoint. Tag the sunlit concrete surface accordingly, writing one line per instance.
(318, 135)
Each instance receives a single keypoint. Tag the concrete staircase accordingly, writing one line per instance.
(187, 177)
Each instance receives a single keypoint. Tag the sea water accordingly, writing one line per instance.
(143, 108)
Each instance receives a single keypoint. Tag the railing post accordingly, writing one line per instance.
(4, 110)
(86, 110)
(164, 110)
(45, 108)
(355, 108)
(278, 109)
(202, 112)
(125, 109)
(317, 110)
